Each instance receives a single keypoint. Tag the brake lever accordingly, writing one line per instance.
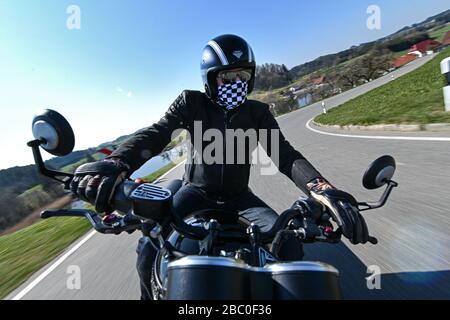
(373, 240)
(370, 239)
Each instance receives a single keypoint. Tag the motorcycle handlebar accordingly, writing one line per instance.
(122, 200)
(123, 203)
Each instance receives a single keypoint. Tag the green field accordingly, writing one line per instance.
(439, 33)
(415, 98)
(24, 252)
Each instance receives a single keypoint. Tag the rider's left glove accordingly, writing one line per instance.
(343, 209)
(96, 182)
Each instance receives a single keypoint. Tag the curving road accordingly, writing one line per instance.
(413, 229)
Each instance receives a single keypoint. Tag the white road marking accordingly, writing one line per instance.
(167, 173)
(441, 139)
(44, 274)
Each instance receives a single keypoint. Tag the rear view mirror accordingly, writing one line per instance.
(379, 172)
(54, 131)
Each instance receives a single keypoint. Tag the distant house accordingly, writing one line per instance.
(422, 47)
(304, 100)
(318, 81)
(401, 61)
(295, 89)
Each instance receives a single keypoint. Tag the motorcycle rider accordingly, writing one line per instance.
(228, 72)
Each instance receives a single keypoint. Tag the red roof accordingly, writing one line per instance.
(106, 151)
(319, 80)
(407, 58)
(446, 39)
(425, 45)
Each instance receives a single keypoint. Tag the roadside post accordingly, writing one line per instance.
(324, 109)
(445, 70)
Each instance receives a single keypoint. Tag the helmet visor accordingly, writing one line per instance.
(228, 76)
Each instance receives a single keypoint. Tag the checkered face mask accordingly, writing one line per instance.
(232, 95)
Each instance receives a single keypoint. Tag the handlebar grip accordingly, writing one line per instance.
(121, 200)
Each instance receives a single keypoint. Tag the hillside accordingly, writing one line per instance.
(76, 156)
(330, 60)
(413, 98)
(287, 90)
(23, 190)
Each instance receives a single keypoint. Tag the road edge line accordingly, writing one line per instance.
(44, 274)
(436, 139)
(165, 174)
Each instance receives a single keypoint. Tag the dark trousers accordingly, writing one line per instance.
(189, 199)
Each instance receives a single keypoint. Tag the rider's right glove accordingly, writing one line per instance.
(95, 182)
(343, 209)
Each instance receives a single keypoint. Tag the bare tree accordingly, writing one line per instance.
(350, 77)
(372, 66)
(366, 68)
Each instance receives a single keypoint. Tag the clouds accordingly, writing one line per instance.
(128, 94)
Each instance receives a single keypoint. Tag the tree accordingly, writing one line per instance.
(350, 77)
(403, 43)
(283, 106)
(271, 76)
(373, 65)
(366, 68)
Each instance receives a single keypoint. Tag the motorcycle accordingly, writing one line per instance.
(212, 254)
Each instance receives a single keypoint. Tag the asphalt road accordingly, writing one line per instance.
(413, 229)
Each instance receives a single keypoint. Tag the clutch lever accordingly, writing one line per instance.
(95, 220)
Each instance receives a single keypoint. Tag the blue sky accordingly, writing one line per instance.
(130, 59)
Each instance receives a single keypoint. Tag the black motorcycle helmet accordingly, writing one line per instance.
(225, 52)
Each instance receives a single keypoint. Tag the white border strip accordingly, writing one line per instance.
(44, 274)
(167, 173)
(441, 139)
(219, 52)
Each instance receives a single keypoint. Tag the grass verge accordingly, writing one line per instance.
(415, 97)
(24, 252)
(155, 175)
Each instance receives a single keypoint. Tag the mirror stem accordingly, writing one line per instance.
(368, 206)
(34, 144)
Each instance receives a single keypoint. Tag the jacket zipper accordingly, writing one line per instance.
(225, 117)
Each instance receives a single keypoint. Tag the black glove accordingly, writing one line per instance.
(95, 182)
(344, 211)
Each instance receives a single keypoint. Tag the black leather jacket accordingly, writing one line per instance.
(220, 181)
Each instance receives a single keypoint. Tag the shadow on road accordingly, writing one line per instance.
(353, 273)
